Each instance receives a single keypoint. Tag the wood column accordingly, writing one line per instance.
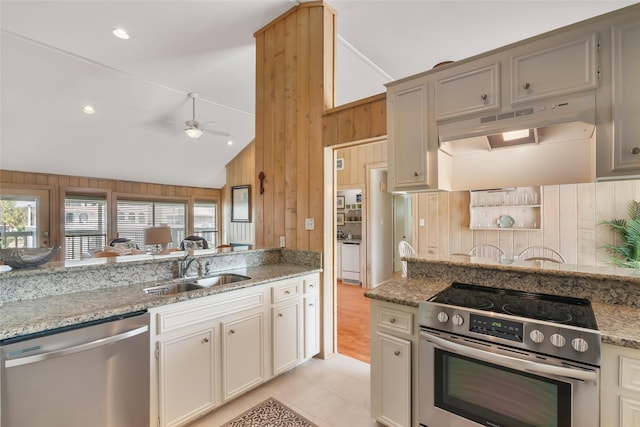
(295, 63)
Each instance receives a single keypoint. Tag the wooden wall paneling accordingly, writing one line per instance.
(605, 210)
(280, 111)
(361, 122)
(345, 126)
(290, 166)
(378, 111)
(586, 224)
(303, 150)
(269, 139)
(432, 223)
(330, 129)
(567, 240)
(551, 216)
(261, 99)
(442, 199)
(506, 243)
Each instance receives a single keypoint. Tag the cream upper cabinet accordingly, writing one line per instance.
(407, 127)
(471, 91)
(557, 69)
(619, 146)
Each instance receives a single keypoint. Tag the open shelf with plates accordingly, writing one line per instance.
(512, 209)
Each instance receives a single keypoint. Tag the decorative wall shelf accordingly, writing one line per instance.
(506, 209)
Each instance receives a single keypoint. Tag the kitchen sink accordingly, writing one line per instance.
(221, 279)
(175, 288)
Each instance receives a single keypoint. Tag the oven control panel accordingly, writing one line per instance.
(543, 337)
(501, 328)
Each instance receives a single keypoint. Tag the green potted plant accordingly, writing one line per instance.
(627, 252)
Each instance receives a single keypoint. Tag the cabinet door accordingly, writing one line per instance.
(286, 336)
(469, 92)
(555, 71)
(311, 326)
(242, 354)
(186, 376)
(407, 124)
(626, 108)
(393, 385)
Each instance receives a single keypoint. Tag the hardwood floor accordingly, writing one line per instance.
(353, 322)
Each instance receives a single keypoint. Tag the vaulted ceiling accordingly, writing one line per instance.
(57, 56)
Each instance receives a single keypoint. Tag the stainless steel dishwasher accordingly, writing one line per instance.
(95, 374)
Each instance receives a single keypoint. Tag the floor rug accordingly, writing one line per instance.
(270, 413)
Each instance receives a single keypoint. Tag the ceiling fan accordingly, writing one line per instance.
(194, 128)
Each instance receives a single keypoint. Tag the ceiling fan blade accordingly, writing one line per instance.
(216, 132)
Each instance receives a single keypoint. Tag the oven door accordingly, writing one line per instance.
(469, 383)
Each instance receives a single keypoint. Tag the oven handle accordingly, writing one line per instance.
(512, 362)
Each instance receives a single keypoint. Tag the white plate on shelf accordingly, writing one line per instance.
(506, 221)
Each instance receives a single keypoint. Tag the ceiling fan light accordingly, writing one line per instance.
(120, 33)
(193, 132)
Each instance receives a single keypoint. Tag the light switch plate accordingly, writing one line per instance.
(309, 224)
(282, 241)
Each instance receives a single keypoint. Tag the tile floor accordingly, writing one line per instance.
(331, 393)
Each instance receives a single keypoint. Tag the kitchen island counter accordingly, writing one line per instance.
(613, 294)
(36, 315)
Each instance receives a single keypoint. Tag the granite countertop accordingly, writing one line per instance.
(40, 314)
(618, 324)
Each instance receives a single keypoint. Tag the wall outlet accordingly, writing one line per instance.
(282, 241)
(421, 222)
(309, 224)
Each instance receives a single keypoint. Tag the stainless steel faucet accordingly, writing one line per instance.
(185, 263)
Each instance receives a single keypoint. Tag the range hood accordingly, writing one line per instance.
(559, 121)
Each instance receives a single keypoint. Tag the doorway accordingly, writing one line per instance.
(401, 226)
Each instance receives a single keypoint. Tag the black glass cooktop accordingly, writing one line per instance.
(550, 308)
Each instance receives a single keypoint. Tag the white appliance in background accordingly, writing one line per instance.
(351, 262)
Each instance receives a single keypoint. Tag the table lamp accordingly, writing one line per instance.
(159, 236)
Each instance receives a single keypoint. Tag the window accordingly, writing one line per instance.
(18, 221)
(149, 213)
(89, 231)
(205, 222)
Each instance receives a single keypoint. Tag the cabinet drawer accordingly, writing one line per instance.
(311, 285)
(630, 374)
(285, 291)
(205, 309)
(395, 320)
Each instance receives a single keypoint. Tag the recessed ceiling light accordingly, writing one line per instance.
(121, 33)
(88, 109)
(229, 142)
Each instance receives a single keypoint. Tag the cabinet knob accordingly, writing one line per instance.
(484, 97)
(526, 85)
(206, 340)
(232, 331)
(287, 292)
(279, 314)
(397, 352)
(392, 320)
(416, 174)
(635, 150)
(311, 304)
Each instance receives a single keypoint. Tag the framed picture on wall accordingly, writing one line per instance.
(340, 164)
(241, 203)
(340, 218)
(339, 202)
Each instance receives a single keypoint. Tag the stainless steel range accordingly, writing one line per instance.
(504, 358)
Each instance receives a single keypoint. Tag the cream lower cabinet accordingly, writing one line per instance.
(394, 359)
(186, 375)
(311, 313)
(207, 351)
(619, 387)
(243, 350)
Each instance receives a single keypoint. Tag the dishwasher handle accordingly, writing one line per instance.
(10, 363)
